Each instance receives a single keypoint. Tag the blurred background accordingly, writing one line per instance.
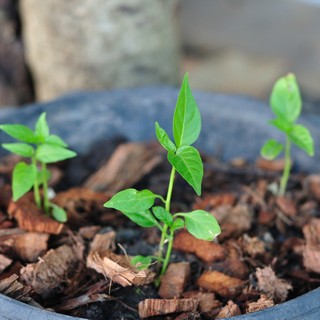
(49, 48)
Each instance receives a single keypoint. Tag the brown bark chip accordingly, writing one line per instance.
(220, 283)
(286, 206)
(158, 307)
(207, 300)
(270, 165)
(262, 303)
(205, 250)
(51, 271)
(174, 280)
(4, 262)
(312, 184)
(229, 310)
(13, 288)
(311, 232)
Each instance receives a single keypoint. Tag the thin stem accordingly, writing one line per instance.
(287, 167)
(168, 254)
(46, 204)
(36, 191)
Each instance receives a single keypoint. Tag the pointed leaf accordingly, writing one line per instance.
(281, 124)
(19, 132)
(142, 218)
(271, 149)
(23, 178)
(21, 149)
(141, 262)
(188, 163)
(131, 200)
(163, 215)
(301, 137)
(55, 140)
(49, 153)
(42, 128)
(285, 99)
(177, 224)
(164, 139)
(202, 224)
(58, 213)
(186, 118)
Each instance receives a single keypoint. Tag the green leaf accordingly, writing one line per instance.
(142, 218)
(271, 149)
(188, 163)
(285, 98)
(141, 262)
(186, 118)
(19, 132)
(281, 124)
(55, 140)
(301, 137)
(21, 149)
(42, 128)
(49, 153)
(23, 178)
(164, 139)
(40, 176)
(202, 225)
(163, 215)
(178, 223)
(131, 200)
(58, 213)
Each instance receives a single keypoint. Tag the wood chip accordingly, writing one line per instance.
(262, 303)
(4, 262)
(252, 246)
(174, 280)
(229, 310)
(287, 206)
(312, 184)
(47, 275)
(31, 218)
(128, 164)
(207, 300)
(311, 232)
(158, 307)
(88, 233)
(11, 287)
(275, 288)
(220, 283)
(205, 250)
(270, 165)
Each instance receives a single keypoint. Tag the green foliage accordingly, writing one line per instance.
(139, 207)
(286, 104)
(41, 148)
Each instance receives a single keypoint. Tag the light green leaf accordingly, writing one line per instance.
(271, 149)
(141, 262)
(188, 163)
(23, 178)
(202, 224)
(164, 139)
(19, 132)
(21, 149)
(131, 200)
(301, 137)
(285, 98)
(42, 128)
(58, 213)
(40, 176)
(49, 153)
(186, 118)
(55, 140)
(142, 218)
(281, 124)
(178, 223)
(163, 215)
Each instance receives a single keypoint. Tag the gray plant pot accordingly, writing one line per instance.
(232, 126)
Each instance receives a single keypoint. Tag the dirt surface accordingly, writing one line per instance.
(268, 251)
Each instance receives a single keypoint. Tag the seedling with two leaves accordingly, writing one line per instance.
(41, 148)
(139, 206)
(286, 104)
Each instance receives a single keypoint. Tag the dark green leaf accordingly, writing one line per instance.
(131, 200)
(188, 163)
(49, 153)
(186, 118)
(19, 132)
(143, 218)
(42, 128)
(23, 178)
(301, 136)
(55, 140)
(163, 215)
(58, 213)
(281, 124)
(271, 149)
(164, 139)
(202, 224)
(21, 149)
(141, 262)
(285, 99)
(178, 223)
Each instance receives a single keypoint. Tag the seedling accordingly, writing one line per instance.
(286, 104)
(41, 148)
(139, 206)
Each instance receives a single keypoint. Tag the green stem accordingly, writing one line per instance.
(168, 254)
(46, 204)
(286, 170)
(36, 191)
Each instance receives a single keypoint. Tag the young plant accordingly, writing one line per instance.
(184, 159)
(41, 148)
(286, 104)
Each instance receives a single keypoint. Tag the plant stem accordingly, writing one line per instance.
(45, 188)
(287, 167)
(36, 191)
(168, 254)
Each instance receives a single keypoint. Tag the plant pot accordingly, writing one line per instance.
(233, 126)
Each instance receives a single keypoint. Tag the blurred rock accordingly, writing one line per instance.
(92, 45)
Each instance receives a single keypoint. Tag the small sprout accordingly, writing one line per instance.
(286, 104)
(139, 206)
(42, 148)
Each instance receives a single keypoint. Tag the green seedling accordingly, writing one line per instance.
(41, 148)
(139, 206)
(286, 104)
